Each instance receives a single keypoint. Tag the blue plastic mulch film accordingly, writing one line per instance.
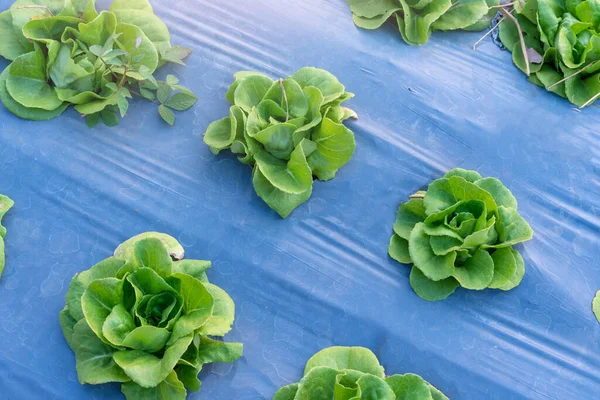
(321, 277)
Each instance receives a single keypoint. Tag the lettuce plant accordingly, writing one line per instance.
(64, 52)
(562, 46)
(348, 373)
(289, 130)
(460, 232)
(143, 318)
(5, 205)
(417, 19)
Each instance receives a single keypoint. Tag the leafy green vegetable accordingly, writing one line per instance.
(562, 44)
(64, 52)
(417, 19)
(596, 305)
(350, 373)
(5, 205)
(460, 232)
(143, 317)
(289, 130)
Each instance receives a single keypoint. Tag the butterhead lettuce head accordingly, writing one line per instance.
(349, 373)
(143, 318)
(460, 232)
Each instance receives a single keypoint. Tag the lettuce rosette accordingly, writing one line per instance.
(5, 205)
(350, 373)
(289, 130)
(417, 19)
(65, 52)
(143, 318)
(460, 232)
(562, 43)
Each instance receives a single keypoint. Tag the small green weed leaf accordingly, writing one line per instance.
(166, 114)
(97, 50)
(109, 117)
(164, 91)
(172, 80)
(176, 54)
(147, 94)
(122, 103)
(111, 54)
(181, 101)
(92, 120)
